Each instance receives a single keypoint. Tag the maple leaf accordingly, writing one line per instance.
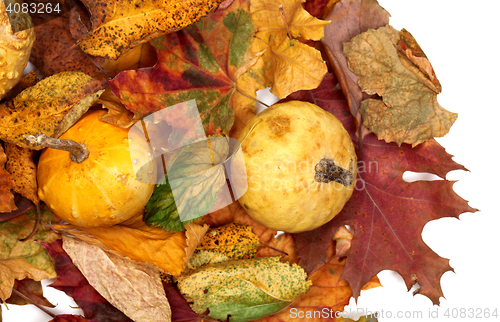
(51, 107)
(201, 62)
(181, 311)
(286, 65)
(133, 288)
(117, 26)
(71, 281)
(350, 18)
(24, 259)
(6, 184)
(386, 212)
(409, 111)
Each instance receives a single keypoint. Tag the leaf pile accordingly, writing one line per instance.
(186, 75)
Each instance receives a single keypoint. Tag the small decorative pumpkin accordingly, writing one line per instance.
(100, 188)
(15, 47)
(300, 165)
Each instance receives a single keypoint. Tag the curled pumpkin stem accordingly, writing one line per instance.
(78, 151)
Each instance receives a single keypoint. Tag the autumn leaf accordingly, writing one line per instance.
(134, 239)
(32, 290)
(386, 212)
(71, 281)
(117, 26)
(289, 65)
(55, 49)
(133, 288)
(51, 107)
(140, 56)
(350, 18)
(243, 289)
(328, 291)
(236, 241)
(181, 311)
(6, 184)
(22, 168)
(24, 259)
(409, 111)
(117, 113)
(235, 213)
(201, 62)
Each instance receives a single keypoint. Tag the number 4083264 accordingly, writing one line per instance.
(33, 8)
(477, 313)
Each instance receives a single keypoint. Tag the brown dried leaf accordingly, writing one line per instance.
(117, 112)
(22, 168)
(409, 111)
(6, 184)
(133, 288)
(348, 19)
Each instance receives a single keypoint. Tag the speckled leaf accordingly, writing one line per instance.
(51, 107)
(21, 259)
(55, 49)
(22, 168)
(409, 111)
(133, 288)
(6, 184)
(233, 240)
(118, 26)
(245, 289)
(200, 62)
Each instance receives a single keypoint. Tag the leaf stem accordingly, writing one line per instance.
(282, 13)
(27, 299)
(78, 151)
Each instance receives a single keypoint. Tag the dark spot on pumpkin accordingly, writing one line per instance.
(245, 205)
(279, 125)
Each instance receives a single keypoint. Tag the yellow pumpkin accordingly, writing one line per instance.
(103, 189)
(300, 166)
(15, 47)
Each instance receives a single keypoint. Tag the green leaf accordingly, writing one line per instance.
(161, 210)
(193, 182)
(15, 229)
(244, 289)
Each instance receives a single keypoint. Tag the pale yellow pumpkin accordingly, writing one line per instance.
(300, 166)
(102, 190)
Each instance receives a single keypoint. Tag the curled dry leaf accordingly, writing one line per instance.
(135, 240)
(50, 107)
(32, 290)
(133, 288)
(117, 113)
(350, 18)
(409, 111)
(22, 168)
(286, 65)
(118, 26)
(6, 184)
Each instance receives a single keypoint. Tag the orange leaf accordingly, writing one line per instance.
(6, 184)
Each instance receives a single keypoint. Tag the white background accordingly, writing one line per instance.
(460, 39)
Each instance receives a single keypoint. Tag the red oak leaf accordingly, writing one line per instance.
(387, 213)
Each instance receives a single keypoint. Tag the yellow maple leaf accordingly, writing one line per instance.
(289, 65)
